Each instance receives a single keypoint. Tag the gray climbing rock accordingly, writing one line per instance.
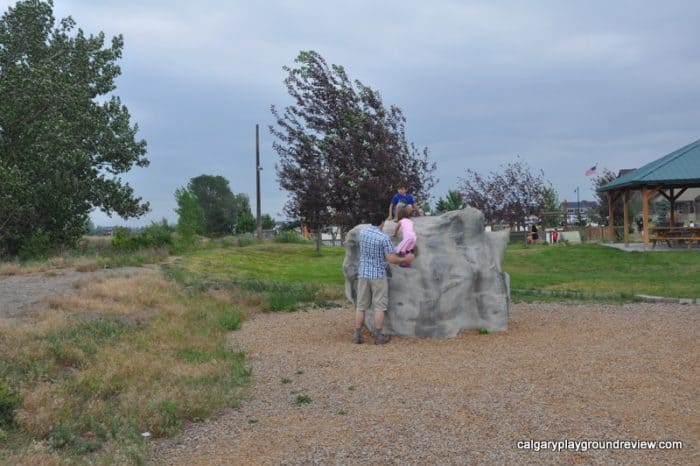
(455, 283)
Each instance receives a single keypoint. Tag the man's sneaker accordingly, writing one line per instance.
(357, 337)
(381, 339)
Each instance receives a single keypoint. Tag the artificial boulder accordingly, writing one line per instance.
(455, 283)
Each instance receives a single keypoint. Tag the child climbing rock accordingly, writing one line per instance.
(408, 235)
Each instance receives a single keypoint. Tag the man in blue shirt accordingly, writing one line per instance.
(401, 199)
(376, 250)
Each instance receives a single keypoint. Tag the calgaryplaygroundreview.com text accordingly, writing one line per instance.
(586, 445)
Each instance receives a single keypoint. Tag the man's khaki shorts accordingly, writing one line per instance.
(372, 294)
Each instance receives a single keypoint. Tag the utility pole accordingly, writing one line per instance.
(258, 221)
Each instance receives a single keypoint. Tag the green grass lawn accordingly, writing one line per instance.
(271, 262)
(560, 272)
(599, 270)
(283, 275)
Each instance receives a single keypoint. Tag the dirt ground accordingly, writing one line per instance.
(561, 372)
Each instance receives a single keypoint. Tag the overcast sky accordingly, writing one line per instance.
(564, 84)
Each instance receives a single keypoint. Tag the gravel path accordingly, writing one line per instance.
(577, 372)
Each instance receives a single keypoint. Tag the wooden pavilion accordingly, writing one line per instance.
(670, 176)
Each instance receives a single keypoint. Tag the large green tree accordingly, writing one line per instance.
(220, 205)
(342, 152)
(64, 138)
(190, 216)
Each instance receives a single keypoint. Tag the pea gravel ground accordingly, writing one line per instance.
(577, 372)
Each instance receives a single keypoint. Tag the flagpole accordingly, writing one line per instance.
(578, 208)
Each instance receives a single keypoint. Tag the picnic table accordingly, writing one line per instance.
(689, 235)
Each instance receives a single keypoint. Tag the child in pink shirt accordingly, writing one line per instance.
(408, 234)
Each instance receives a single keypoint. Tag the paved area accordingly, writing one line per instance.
(660, 246)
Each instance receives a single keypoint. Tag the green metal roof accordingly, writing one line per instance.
(679, 168)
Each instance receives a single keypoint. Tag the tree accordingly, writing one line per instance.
(63, 135)
(245, 222)
(342, 153)
(190, 216)
(551, 205)
(506, 197)
(220, 205)
(453, 201)
(603, 210)
(267, 222)
(662, 212)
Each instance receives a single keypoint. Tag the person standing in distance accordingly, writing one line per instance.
(376, 250)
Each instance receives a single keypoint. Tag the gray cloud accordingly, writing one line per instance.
(563, 84)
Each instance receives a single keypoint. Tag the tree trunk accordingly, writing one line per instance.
(318, 238)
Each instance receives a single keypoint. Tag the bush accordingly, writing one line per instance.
(38, 246)
(289, 236)
(153, 236)
(123, 239)
(247, 240)
(10, 400)
(94, 245)
(230, 318)
(62, 436)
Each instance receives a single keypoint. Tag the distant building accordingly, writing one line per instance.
(573, 209)
(107, 231)
(686, 205)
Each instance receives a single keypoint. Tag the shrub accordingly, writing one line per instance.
(38, 246)
(122, 239)
(62, 436)
(247, 240)
(289, 236)
(230, 318)
(10, 400)
(153, 236)
(165, 418)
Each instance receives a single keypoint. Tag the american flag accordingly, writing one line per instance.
(591, 171)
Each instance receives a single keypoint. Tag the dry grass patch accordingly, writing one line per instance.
(93, 377)
(18, 268)
(89, 257)
(15, 268)
(120, 296)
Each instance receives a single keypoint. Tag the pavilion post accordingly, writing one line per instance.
(672, 219)
(645, 217)
(611, 219)
(625, 222)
